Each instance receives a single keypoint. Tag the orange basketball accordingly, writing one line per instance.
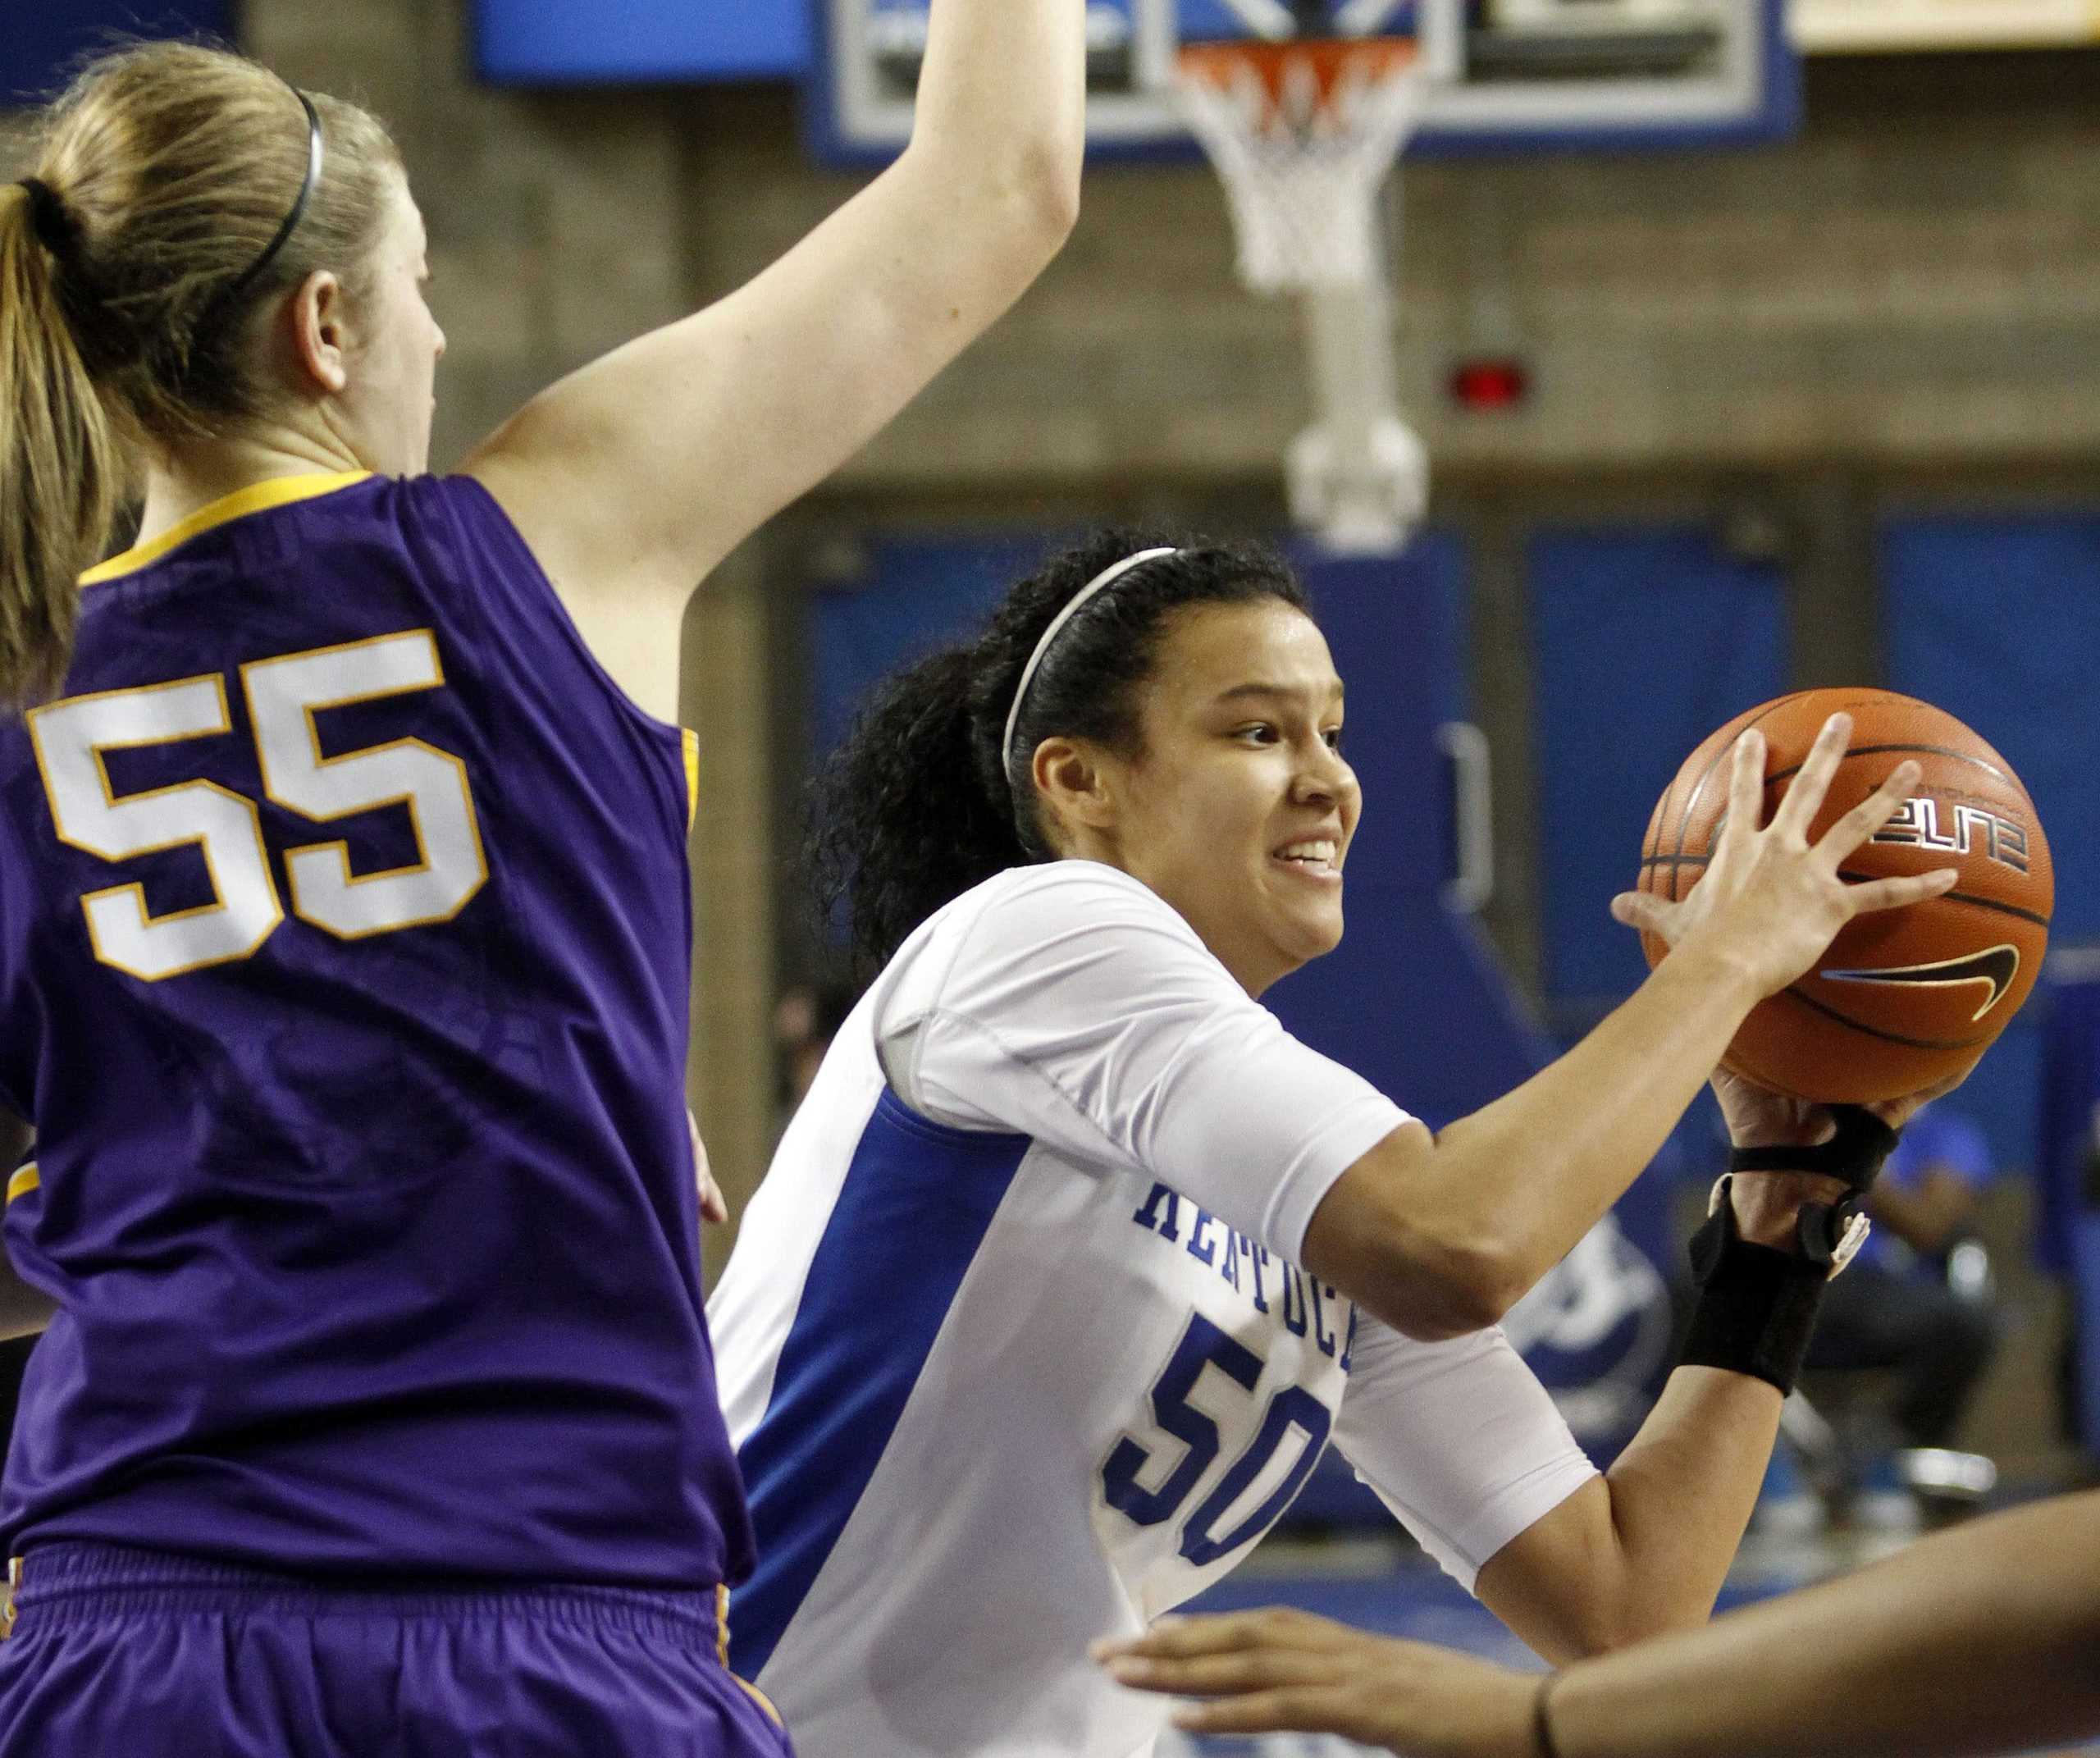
(1904, 998)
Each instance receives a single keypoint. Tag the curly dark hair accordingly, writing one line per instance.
(917, 804)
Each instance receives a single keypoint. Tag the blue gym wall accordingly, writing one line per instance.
(41, 40)
(1644, 640)
(626, 41)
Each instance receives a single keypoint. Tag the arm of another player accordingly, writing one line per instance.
(1981, 1639)
(633, 478)
(24, 1310)
(1439, 1236)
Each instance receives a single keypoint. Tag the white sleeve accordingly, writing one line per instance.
(1459, 1439)
(1079, 1008)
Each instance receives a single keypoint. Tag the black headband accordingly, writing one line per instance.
(255, 270)
(54, 224)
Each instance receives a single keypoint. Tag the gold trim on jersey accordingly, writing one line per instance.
(762, 1700)
(722, 1624)
(691, 741)
(25, 1179)
(257, 497)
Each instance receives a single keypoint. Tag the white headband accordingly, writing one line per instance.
(1091, 590)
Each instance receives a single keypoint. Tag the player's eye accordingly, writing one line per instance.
(1333, 735)
(1257, 733)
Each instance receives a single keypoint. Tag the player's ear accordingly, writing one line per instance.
(319, 319)
(1073, 780)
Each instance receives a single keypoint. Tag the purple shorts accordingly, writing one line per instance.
(135, 1653)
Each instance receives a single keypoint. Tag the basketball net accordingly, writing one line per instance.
(1304, 134)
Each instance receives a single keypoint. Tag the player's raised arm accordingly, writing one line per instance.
(633, 476)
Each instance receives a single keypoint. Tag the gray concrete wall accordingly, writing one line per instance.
(1916, 279)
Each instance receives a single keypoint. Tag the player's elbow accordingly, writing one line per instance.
(1409, 1246)
(1433, 1288)
(1021, 199)
(1039, 197)
(1480, 1281)
(1053, 180)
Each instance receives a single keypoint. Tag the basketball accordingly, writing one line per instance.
(1904, 999)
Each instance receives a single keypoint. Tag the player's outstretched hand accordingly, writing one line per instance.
(1270, 1672)
(1770, 902)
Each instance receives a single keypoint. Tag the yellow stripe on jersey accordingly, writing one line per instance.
(762, 1700)
(692, 776)
(259, 497)
(722, 1634)
(24, 1181)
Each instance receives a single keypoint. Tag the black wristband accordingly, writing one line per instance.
(1856, 1153)
(1757, 1306)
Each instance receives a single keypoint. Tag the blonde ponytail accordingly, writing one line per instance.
(61, 467)
(134, 266)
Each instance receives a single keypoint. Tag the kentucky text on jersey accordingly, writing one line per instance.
(1307, 1302)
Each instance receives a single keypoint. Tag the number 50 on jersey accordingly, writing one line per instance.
(283, 695)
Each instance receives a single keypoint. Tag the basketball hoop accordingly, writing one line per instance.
(1305, 133)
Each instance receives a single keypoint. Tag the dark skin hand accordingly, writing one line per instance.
(1767, 1203)
(1978, 1639)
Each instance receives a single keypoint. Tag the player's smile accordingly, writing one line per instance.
(1317, 859)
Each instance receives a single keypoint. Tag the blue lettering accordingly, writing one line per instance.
(1319, 1327)
(1348, 1342)
(1293, 1309)
(1257, 1257)
(1149, 1215)
(1202, 1249)
(1228, 1265)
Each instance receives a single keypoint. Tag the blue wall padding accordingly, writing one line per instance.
(40, 43)
(1996, 618)
(911, 596)
(1644, 640)
(624, 42)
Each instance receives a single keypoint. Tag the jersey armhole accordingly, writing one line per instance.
(531, 569)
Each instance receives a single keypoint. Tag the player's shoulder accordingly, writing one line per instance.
(1004, 942)
(1023, 906)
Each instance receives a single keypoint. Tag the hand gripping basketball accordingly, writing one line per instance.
(1770, 902)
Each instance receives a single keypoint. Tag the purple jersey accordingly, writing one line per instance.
(343, 959)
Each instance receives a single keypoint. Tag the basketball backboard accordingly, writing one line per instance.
(1509, 74)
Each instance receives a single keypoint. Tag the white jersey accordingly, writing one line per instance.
(1013, 1346)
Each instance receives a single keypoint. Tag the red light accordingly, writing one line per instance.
(1488, 385)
